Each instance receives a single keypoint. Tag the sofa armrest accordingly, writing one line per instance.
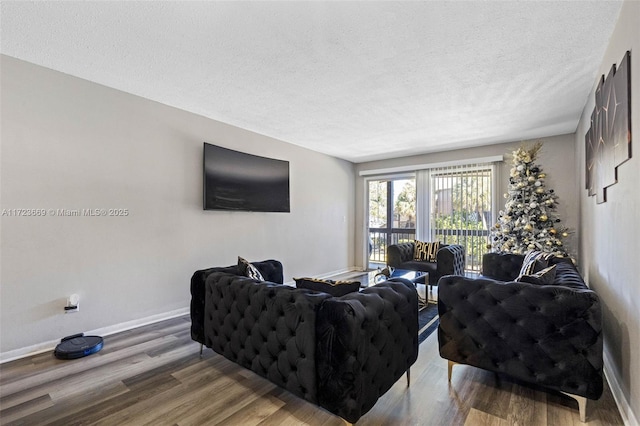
(366, 342)
(197, 287)
(450, 260)
(399, 253)
(271, 270)
(502, 266)
(548, 335)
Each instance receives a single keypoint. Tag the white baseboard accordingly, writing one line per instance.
(627, 414)
(104, 331)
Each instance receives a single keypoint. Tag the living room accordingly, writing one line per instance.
(69, 143)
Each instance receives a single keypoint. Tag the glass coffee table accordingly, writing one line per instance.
(378, 276)
(416, 277)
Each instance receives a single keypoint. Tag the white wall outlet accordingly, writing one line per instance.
(73, 304)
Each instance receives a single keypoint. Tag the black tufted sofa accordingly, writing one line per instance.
(450, 260)
(549, 335)
(341, 353)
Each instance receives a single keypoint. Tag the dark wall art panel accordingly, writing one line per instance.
(590, 155)
(608, 140)
(622, 124)
(599, 144)
(607, 116)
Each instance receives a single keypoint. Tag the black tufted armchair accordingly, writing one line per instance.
(450, 260)
(549, 335)
(341, 353)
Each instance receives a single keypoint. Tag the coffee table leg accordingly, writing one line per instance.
(423, 302)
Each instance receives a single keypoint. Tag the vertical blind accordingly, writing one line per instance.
(456, 205)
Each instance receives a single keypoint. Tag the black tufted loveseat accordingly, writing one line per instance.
(450, 260)
(341, 353)
(549, 335)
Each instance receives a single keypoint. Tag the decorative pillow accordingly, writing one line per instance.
(544, 277)
(534, 261)
(334, 288)
(248, 270)
(426, 251)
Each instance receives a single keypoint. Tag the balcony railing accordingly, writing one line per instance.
(474, 241)
(380, 238)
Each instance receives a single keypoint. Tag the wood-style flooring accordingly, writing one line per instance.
(154, 375)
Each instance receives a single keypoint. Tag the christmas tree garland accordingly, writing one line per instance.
(529, 221)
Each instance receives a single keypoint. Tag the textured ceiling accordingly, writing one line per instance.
(356, 80)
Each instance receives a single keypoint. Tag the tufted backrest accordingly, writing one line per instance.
(506, 267)
(399, 253)
(268, 328)
(366, 341)
(271, 270)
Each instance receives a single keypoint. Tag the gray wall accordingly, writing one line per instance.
(610, 246)
(71, 144)
(557, 158)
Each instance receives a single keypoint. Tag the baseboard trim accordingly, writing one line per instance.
(627, 414)
(104, 331)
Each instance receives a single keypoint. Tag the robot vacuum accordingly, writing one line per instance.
(78, 346)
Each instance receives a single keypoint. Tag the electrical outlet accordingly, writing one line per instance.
(73, 304)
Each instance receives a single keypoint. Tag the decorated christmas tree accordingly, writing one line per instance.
(529, 220)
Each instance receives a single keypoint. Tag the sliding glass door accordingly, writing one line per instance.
(452, 204)
(391, 215)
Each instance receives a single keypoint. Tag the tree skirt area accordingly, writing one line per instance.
(428, 321)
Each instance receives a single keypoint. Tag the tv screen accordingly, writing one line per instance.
(236, 180)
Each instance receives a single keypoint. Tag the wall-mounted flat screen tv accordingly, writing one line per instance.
(236, 180)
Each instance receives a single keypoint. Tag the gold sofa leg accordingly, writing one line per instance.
(449, 368)
(582, 405)
(582, 401)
